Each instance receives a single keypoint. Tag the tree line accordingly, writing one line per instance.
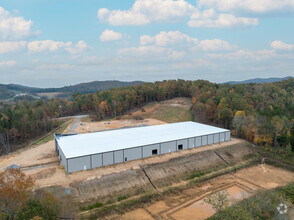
(259, 113)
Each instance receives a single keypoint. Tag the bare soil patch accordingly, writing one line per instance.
(86, 127)
(189, 203)
(49, 95)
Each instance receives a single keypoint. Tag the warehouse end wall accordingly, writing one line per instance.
(62, 158)
(228, 136)
(119, 156)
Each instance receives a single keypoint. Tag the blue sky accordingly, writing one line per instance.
(63, 42)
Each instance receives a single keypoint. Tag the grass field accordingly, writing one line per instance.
(170, 111)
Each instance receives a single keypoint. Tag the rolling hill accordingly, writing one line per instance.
(12, 91)
(259, 80)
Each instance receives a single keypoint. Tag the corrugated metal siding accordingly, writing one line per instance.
(78, 164)
(147, 150)
(96, 160)
(62, 159)
(133, 153)
(210, 139)
(184, 143)
(191, 142)
(216, 138)
(107, 158)
(118, 156)
(222, 136)
(204, 140)
(228, 136)
(168, 147)
(198, 141)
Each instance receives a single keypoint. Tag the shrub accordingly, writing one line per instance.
(89, 207)
(288, 192)
(262, 205)
(197, 174)
(120, 198)
(41, 208)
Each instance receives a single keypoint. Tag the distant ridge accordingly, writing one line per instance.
(259, 80)
(10, 91)
(92, 87)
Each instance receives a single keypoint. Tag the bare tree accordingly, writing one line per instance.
(4, 141)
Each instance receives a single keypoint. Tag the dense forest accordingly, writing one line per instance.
(260, 113)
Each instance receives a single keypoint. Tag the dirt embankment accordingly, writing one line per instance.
(132, 181)
(189, 203)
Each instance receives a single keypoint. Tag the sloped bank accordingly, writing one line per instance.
(134, 181)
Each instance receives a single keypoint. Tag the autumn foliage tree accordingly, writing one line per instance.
(18, 201)
(15, 188)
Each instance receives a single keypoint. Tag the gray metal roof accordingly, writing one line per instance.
(99, 142)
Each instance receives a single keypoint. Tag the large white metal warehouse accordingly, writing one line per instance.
(86, 151)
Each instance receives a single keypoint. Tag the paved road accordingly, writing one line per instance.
(74, 126)
(73, 116)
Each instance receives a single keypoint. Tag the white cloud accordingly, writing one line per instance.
(167, 38)
(53, 46)
(8, 63)
(146, 11)
(176, 38)
(216, 44)
(151, 52)
(55, 67)
(255, 6)
(90, 60)
(78, 48)
(142, 51)
(110, 35)
(279, 45)
(210, 18)
(13, 27)
(11, 46)
(245, 54)
(177, 54)
(47, 45)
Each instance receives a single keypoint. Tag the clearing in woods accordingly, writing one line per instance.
(170, 111)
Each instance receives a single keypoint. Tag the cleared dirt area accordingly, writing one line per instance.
(174, 110)
(86, 127)
(189, 204)
(49, 95)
